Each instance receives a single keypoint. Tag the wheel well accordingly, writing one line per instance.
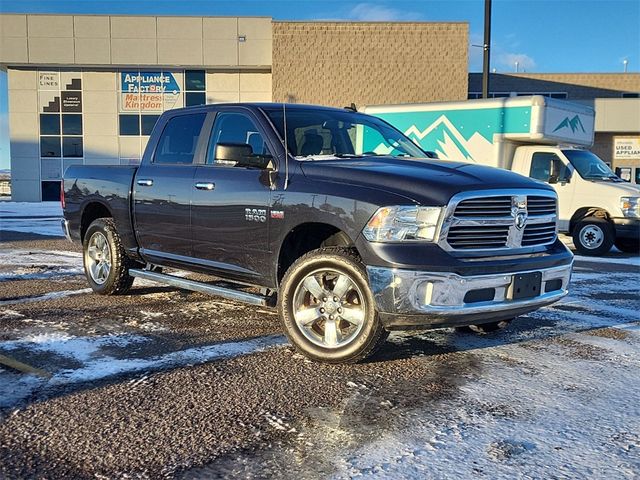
(587, 212)
(307, 237)
(90, 213)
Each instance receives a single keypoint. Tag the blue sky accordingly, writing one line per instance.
(542, 35)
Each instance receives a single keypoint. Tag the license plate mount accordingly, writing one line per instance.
(525, 285)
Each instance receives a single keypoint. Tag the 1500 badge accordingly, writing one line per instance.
(255, 215)
(260, 214)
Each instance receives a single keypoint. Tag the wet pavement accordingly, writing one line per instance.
(163, 383)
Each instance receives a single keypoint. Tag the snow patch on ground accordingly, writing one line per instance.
(107, 366)
(81, 349)
(30, 209)
(538, 423)
(46, 296)
(41, 218)
(635, 261)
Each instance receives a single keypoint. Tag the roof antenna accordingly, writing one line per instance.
(286, 150)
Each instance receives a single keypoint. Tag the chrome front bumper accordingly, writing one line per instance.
(407, 298)
(65, 228)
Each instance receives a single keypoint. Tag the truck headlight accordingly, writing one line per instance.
(403, 223)
(630, 206)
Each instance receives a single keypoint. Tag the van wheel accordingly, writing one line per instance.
(327, 308)
(106, 264)
(485, 327)
(593, 236)
(628, 245)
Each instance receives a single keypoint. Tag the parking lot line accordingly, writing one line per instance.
(23, 367)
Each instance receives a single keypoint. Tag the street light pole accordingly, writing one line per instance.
(487, 47)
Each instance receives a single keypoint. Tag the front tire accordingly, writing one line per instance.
(327, 309)
(593, 236)
(106, 264)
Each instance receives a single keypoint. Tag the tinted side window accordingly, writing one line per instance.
(177, 143)
(236, 128)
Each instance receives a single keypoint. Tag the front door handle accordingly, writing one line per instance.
(145, 182)
(205, 185)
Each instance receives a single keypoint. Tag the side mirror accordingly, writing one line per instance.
(241, 154)
(566, 177)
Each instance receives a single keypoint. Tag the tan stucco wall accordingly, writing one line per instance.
(106, 40)
(336, 63)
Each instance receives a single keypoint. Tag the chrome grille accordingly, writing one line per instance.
(478, 236)
(484, 207)
(539, 234)
(541, 205)
(499, 220)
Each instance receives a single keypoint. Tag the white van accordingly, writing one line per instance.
(539, 137)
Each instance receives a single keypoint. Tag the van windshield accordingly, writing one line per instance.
(589, 166)
(321, 134)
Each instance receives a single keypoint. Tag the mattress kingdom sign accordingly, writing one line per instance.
(148, 91)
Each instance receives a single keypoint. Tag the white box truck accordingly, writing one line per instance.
(542, 138)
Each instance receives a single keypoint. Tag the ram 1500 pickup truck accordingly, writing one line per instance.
(331, 215)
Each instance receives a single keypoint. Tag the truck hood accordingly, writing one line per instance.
(426, 181)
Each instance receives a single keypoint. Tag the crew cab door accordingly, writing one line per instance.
(231, 203)
(162, 191)
(547, 166)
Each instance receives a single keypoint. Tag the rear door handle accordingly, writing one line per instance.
(205, 185)
(145, 182)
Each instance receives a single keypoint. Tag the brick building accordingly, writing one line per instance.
(89, 88)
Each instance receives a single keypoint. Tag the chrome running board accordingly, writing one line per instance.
(201, 287)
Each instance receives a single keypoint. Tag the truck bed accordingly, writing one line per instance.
(102, 186)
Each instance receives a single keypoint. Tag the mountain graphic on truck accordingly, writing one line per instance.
(448, 142)
(572, 123)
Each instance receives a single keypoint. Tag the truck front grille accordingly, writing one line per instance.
(539, 234)
(484, 207)
(541, 205)
(478, 236)
(499, 220)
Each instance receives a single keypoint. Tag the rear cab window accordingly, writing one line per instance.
(179, 139)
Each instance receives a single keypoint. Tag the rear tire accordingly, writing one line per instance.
(628, 245)
(327, 309)
(485, 328)
(593, 236)
(106, 264)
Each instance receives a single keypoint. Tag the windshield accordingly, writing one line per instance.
(316, 134)
(589, 166)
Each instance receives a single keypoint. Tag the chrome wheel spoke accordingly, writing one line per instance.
(328, 308)
(307, 316)
(313, 287)
(342, 286)
(331, 333)
(353, 315)
(98, 258)
(93, 253)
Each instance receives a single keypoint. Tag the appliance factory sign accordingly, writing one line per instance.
(148, 91)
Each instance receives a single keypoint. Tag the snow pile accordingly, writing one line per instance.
(16, 264)
(81, 349)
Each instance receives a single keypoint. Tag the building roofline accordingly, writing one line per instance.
(67, 14)
(374, 22)
(520, 74)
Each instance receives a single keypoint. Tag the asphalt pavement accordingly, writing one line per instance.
(162, 383)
